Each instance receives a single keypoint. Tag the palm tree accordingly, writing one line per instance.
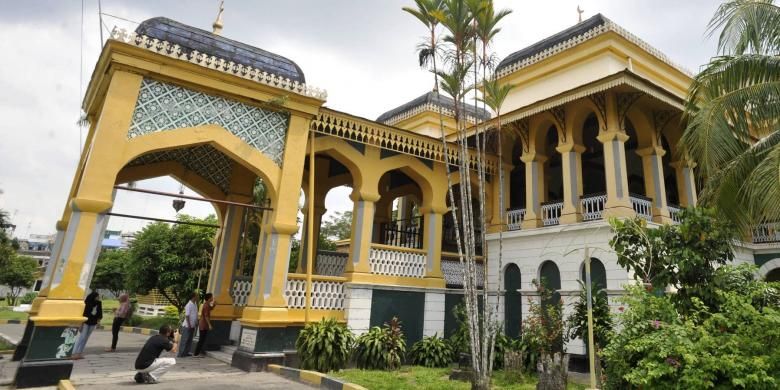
(494, 97)
(733, 114)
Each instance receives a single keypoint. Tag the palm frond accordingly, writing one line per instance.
(748, 26)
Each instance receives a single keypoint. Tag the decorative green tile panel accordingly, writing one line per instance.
(205, 160)
(164, 106)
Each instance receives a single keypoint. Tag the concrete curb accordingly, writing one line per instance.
(65, 384)
(6, 322)
(313, 378)
(125, 329)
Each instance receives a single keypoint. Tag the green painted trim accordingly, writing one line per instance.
(271, 340)
(408, 306)
(762, 258)
(51, 343)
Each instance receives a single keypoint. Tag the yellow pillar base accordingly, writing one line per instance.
(531, 223)
(265, 316)
(619, 212)
(388, 280)
(225, 312)
(570, 218)
(662, 216)
(59, 312)
(36, 305)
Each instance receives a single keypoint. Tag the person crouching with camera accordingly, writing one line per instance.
(149, 364)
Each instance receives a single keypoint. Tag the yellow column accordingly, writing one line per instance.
(48, 275)
(319, 211)
(433, 217)
(652, 164)
(534, 189)
(225, 258)
(497, 219)
(570, 160)
(686, 185)
(363, 209)
(614, 139)
(269, 306)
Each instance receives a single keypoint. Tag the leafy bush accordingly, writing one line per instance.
(459, 341)
(324, 346)
(28, 298)
(171, 313)
(431, 351)
(602, 319)
(134, 320)
(543, 330)
(381, 348)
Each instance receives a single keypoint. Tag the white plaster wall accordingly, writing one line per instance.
(433, 323)
(357, 307)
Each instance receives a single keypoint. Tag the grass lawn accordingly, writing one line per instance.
(6, 312)
(4, 346)
(415, 377)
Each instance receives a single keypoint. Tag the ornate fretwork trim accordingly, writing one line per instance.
(355, 129)
(624, 103)
(603, 86)
(206, 161)
(427, 107)
(246, 72)
(590, 34)
(163, 106)
(661, 118)
(559, 113)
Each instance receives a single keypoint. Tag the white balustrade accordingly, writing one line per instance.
(330, 263)
(386, 261)
(514, 218)
(551, 213)
(674, 213)
(325, 294)
(593, 207)
(642, 207)
(240, 289)
(452, 270)
(766, 232)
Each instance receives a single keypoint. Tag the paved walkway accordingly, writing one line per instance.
(110, 370)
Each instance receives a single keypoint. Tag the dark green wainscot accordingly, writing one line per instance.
(407, 306)
(47, 359)
(259, 347)
(21, 348)
(219, 335)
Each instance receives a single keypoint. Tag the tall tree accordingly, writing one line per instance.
(110, 271)
(171, 259)
(19, 273)
(733, 113)
(458, 51)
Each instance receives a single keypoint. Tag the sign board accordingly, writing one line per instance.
(248, 339)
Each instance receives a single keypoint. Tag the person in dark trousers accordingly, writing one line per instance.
(149, 364)
(205, 324)
(188, 326)
(93, 310)
(120, 316)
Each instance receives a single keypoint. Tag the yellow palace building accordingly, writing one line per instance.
(591, 132)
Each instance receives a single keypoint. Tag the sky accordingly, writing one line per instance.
(362, 52)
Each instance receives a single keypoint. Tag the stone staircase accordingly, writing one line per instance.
(225, 354)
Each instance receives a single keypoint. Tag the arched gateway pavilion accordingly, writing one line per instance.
(591, 132)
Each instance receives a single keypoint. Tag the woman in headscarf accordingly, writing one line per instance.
(93, 310)
(121, 314)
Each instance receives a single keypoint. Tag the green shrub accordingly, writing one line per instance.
(28, 298)
(324, 346)
(381, 348)
(134, 320)
(431, 351)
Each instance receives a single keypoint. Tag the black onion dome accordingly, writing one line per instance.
(563, 36)
(435, 99)
(191, 38)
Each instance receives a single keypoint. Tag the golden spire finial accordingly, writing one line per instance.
(579, 13)
(218, 23)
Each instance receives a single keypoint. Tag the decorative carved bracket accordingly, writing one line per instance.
(661, 118)
(559, 113)
(624, 103)
(600, 101)
(523, 130)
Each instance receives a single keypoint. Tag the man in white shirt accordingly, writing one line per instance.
(188, 326)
